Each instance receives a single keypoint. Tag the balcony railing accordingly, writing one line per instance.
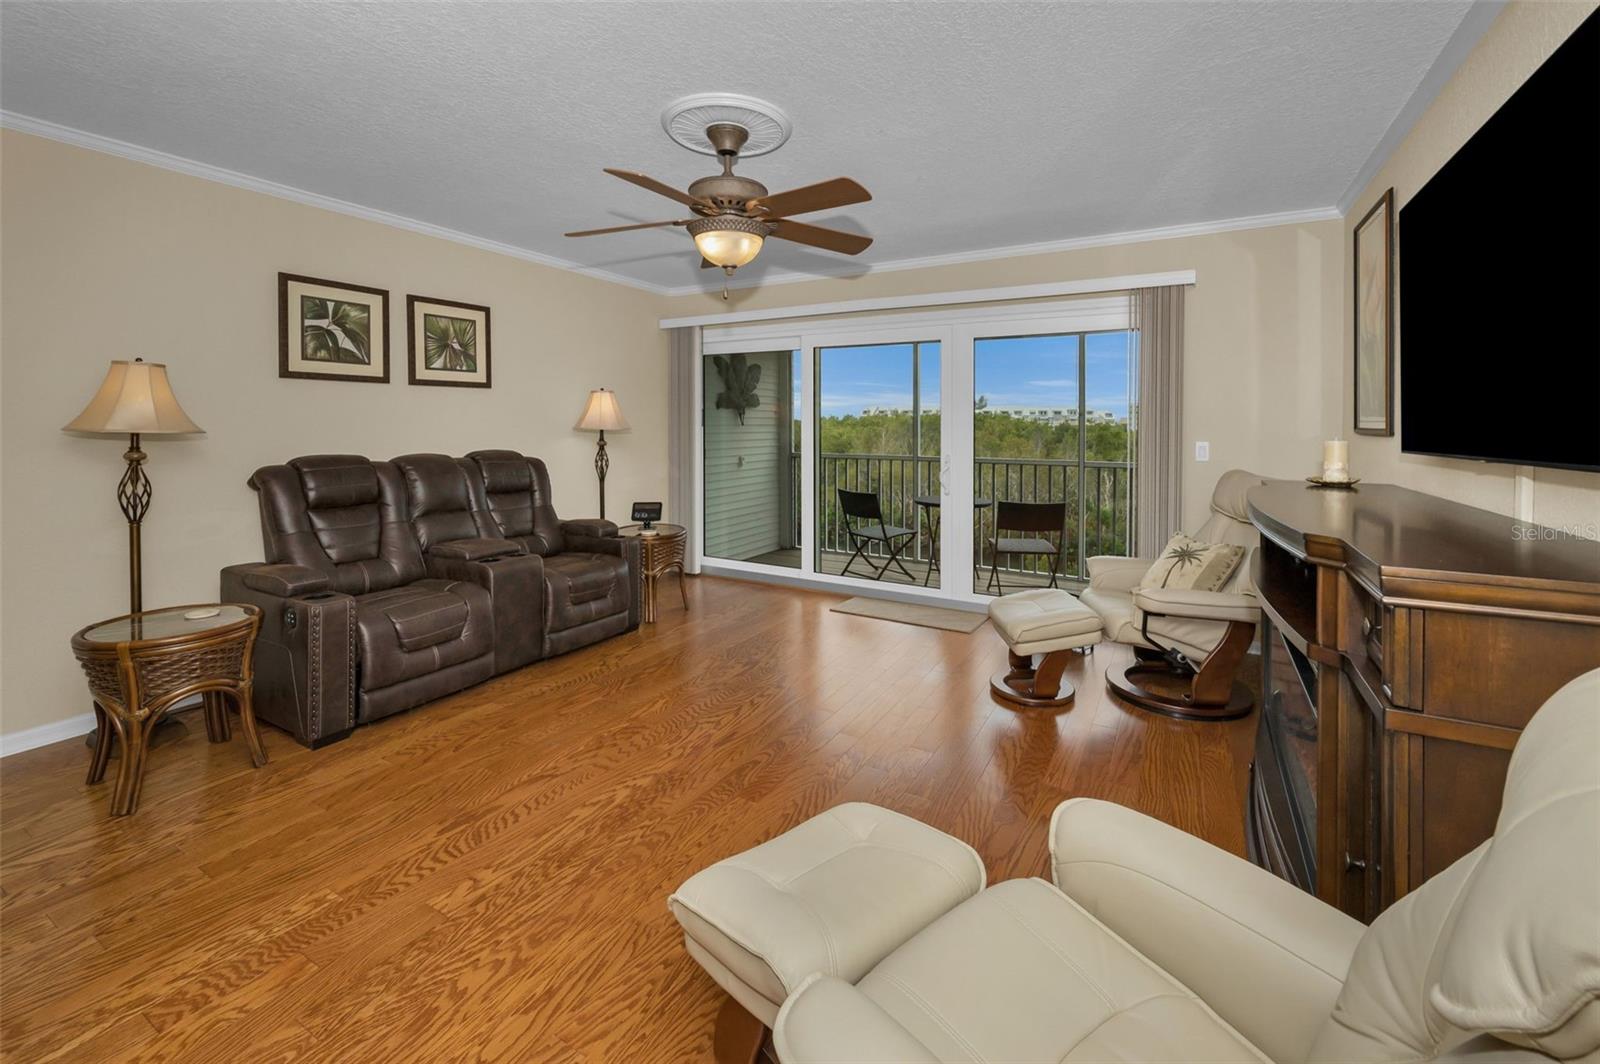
(1098, 497)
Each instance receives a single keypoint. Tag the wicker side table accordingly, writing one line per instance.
(659, 554)
(141, 665)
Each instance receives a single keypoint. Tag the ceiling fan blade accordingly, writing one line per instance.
(840, 192)
(658, 187)
(625, 228)
(818, 237)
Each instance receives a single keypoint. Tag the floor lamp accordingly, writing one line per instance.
(134, 400)
(602, 415)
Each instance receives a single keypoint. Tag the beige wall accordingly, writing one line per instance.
(104, 258)
(1263, 328)
(1516, 44)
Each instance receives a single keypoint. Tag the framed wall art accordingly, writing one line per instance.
(1374, 324)
(449, 343)
(329, 330)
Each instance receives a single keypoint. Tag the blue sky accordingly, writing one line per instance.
(1016, 371)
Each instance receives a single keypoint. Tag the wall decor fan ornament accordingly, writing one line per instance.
(735, 215)
(740, 378)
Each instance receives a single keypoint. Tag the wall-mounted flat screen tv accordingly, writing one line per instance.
(1499, 296)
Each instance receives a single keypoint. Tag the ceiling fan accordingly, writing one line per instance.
(734, 215)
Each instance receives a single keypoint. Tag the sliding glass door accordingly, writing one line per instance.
(877, 461)
(1052, 456)
(892, 452)
(750, 458)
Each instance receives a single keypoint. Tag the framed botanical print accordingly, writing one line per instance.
(449, 342)
(1374, 325)
(332, 331)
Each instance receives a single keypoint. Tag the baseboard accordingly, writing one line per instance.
(45, 734)
(71, 728)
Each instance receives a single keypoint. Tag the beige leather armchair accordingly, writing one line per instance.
(1189, 644)
(1151, 945)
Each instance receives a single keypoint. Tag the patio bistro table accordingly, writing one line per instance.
(931, 504)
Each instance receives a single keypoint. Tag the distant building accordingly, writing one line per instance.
(1042, 415)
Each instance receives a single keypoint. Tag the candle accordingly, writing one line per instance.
(1336, 460)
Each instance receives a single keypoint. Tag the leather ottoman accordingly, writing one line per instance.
(834, 895)
(1045, 621)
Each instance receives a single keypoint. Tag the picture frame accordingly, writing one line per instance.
(1373, 340)
(332, 330)
(448, 343)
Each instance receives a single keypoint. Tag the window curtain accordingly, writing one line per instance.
(1156, 316)
(683, 351)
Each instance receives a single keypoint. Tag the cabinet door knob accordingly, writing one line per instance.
(1354, 864)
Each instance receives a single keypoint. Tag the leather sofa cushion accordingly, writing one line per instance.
(332, 481)
(517, 491)
(583, 588)
(1022, 973)
(475, 550)
(425, 622)
(285, 581)
(598, 527)
(410, 631)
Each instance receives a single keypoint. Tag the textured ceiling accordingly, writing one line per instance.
(975, 125)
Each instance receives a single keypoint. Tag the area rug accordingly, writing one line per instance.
(913, 613)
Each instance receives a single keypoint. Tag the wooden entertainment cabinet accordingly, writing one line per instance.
(1405, 642)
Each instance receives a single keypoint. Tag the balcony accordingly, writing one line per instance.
(1098, 495)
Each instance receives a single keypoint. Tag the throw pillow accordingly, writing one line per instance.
(1189, 565)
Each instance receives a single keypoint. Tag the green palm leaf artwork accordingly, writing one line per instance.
(1181, 555)
(449, 344)
(332, 330)
(739, 380)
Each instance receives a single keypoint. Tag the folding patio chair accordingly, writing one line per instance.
(1026, 517)
(864, 506)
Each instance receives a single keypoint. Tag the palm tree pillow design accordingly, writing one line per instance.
(1189, 565)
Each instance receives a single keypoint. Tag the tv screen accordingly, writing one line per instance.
(1499, 294)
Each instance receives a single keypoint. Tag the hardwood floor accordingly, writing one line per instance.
(833, 562)
(486, 878)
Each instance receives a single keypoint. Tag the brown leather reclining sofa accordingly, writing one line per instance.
(391, 584)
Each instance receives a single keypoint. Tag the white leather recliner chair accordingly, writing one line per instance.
(1152, 945)
(1189, 644)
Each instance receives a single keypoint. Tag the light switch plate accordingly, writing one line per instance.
(1202, 451)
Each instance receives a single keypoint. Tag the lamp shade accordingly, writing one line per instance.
(135, 397)
(602, 413)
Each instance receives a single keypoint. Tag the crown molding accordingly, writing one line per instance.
(178, 164)
(1047, 247)
(1474, 24)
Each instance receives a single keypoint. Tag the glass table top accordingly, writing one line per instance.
(161, 624)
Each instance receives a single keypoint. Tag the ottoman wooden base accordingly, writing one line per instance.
(1041, 688)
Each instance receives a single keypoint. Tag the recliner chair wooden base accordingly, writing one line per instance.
(1167, 683)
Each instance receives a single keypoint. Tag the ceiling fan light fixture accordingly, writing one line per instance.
(728, 241)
